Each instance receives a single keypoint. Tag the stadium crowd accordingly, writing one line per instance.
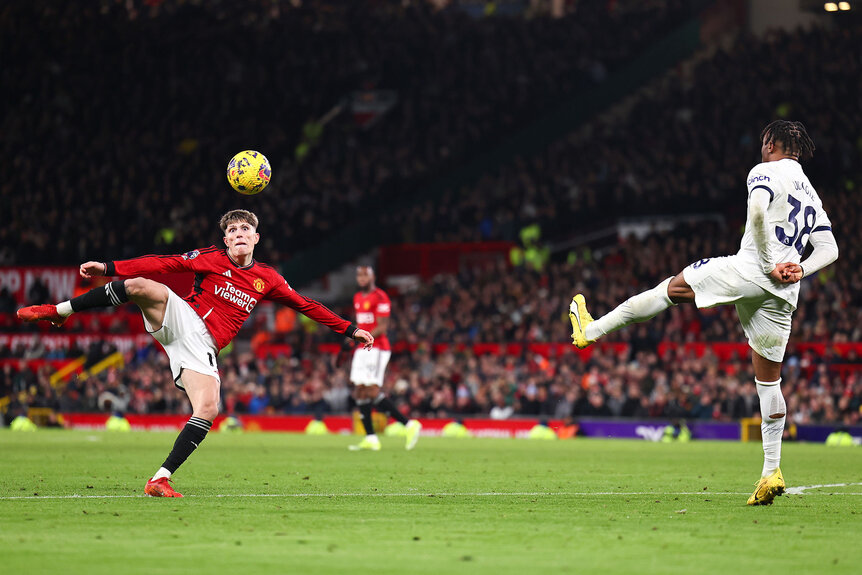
(641, 384)
(526, 306)
(685, 148)
(682, 149)
(460, 82)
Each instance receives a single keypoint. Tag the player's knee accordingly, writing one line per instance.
(138, 287)
(207, 406)
(678, 291)
(207, 410)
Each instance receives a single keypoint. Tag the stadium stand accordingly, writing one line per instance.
(683, 149)
(460, 82)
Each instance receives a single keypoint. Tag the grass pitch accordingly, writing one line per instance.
(280, 503)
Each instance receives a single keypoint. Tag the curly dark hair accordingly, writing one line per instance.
(792, 136)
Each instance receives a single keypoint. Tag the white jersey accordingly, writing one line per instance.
(794, 213)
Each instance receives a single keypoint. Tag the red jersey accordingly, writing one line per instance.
(225, 293)
(369, 306)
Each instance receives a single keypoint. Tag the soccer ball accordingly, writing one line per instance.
(248, 172)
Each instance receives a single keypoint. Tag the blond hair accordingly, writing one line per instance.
(235, 216)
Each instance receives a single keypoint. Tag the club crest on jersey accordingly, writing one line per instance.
(191, 255)
(258, 284)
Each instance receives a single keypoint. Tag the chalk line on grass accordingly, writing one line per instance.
(791, 491)
(803, 488)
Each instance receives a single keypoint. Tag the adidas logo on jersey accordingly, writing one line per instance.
(226, 274)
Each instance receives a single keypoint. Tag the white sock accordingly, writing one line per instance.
(636, 309)
(65, 308)
(162, 472)
(771, 403)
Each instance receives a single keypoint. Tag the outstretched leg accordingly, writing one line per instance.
(636, 309)
(773, 411)
(150, 296)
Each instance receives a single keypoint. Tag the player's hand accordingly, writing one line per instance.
(365, 338)
(92, 269)
(786, 273)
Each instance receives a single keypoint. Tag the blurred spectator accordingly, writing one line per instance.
(38, 293)
(8, 305)
(679, 385)
(684, 148)
(128, 114)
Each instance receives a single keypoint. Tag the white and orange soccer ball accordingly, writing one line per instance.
(248, 172)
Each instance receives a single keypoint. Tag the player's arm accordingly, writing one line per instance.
(825, 251)
(315, 310)
(758, 203)
(145, 265)
(381, 313)
(382, 326)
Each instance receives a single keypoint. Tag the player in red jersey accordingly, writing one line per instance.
(372, 307)
(228, 284)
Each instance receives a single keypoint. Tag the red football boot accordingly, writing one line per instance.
(41, 312)
(160, 488)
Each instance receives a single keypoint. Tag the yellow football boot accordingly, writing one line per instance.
(767, 489)
(580, 320)
(412, 433)
(368, 443)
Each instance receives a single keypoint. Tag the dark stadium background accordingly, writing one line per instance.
(490, 159)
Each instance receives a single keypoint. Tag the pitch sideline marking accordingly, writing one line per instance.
(417, 494)
(802, 488)
(791, 491)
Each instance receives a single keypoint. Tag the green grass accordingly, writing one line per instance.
(451, 506)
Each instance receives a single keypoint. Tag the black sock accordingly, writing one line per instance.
(384, 404)
(112, 293)
(187, 441)
(365, 412)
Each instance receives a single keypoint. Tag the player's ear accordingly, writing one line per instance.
(256, 238)
(224, 239)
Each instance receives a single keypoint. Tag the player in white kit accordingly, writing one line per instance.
(785, 215)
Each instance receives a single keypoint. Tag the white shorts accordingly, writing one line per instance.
(369, 366)
(765, 318)
(186, 339)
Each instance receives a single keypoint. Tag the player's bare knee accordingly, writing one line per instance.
(207, 410)
(134, 286)
(679, 291)
(142, 288)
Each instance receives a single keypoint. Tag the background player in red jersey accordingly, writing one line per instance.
(373, 308)
(228, 284)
